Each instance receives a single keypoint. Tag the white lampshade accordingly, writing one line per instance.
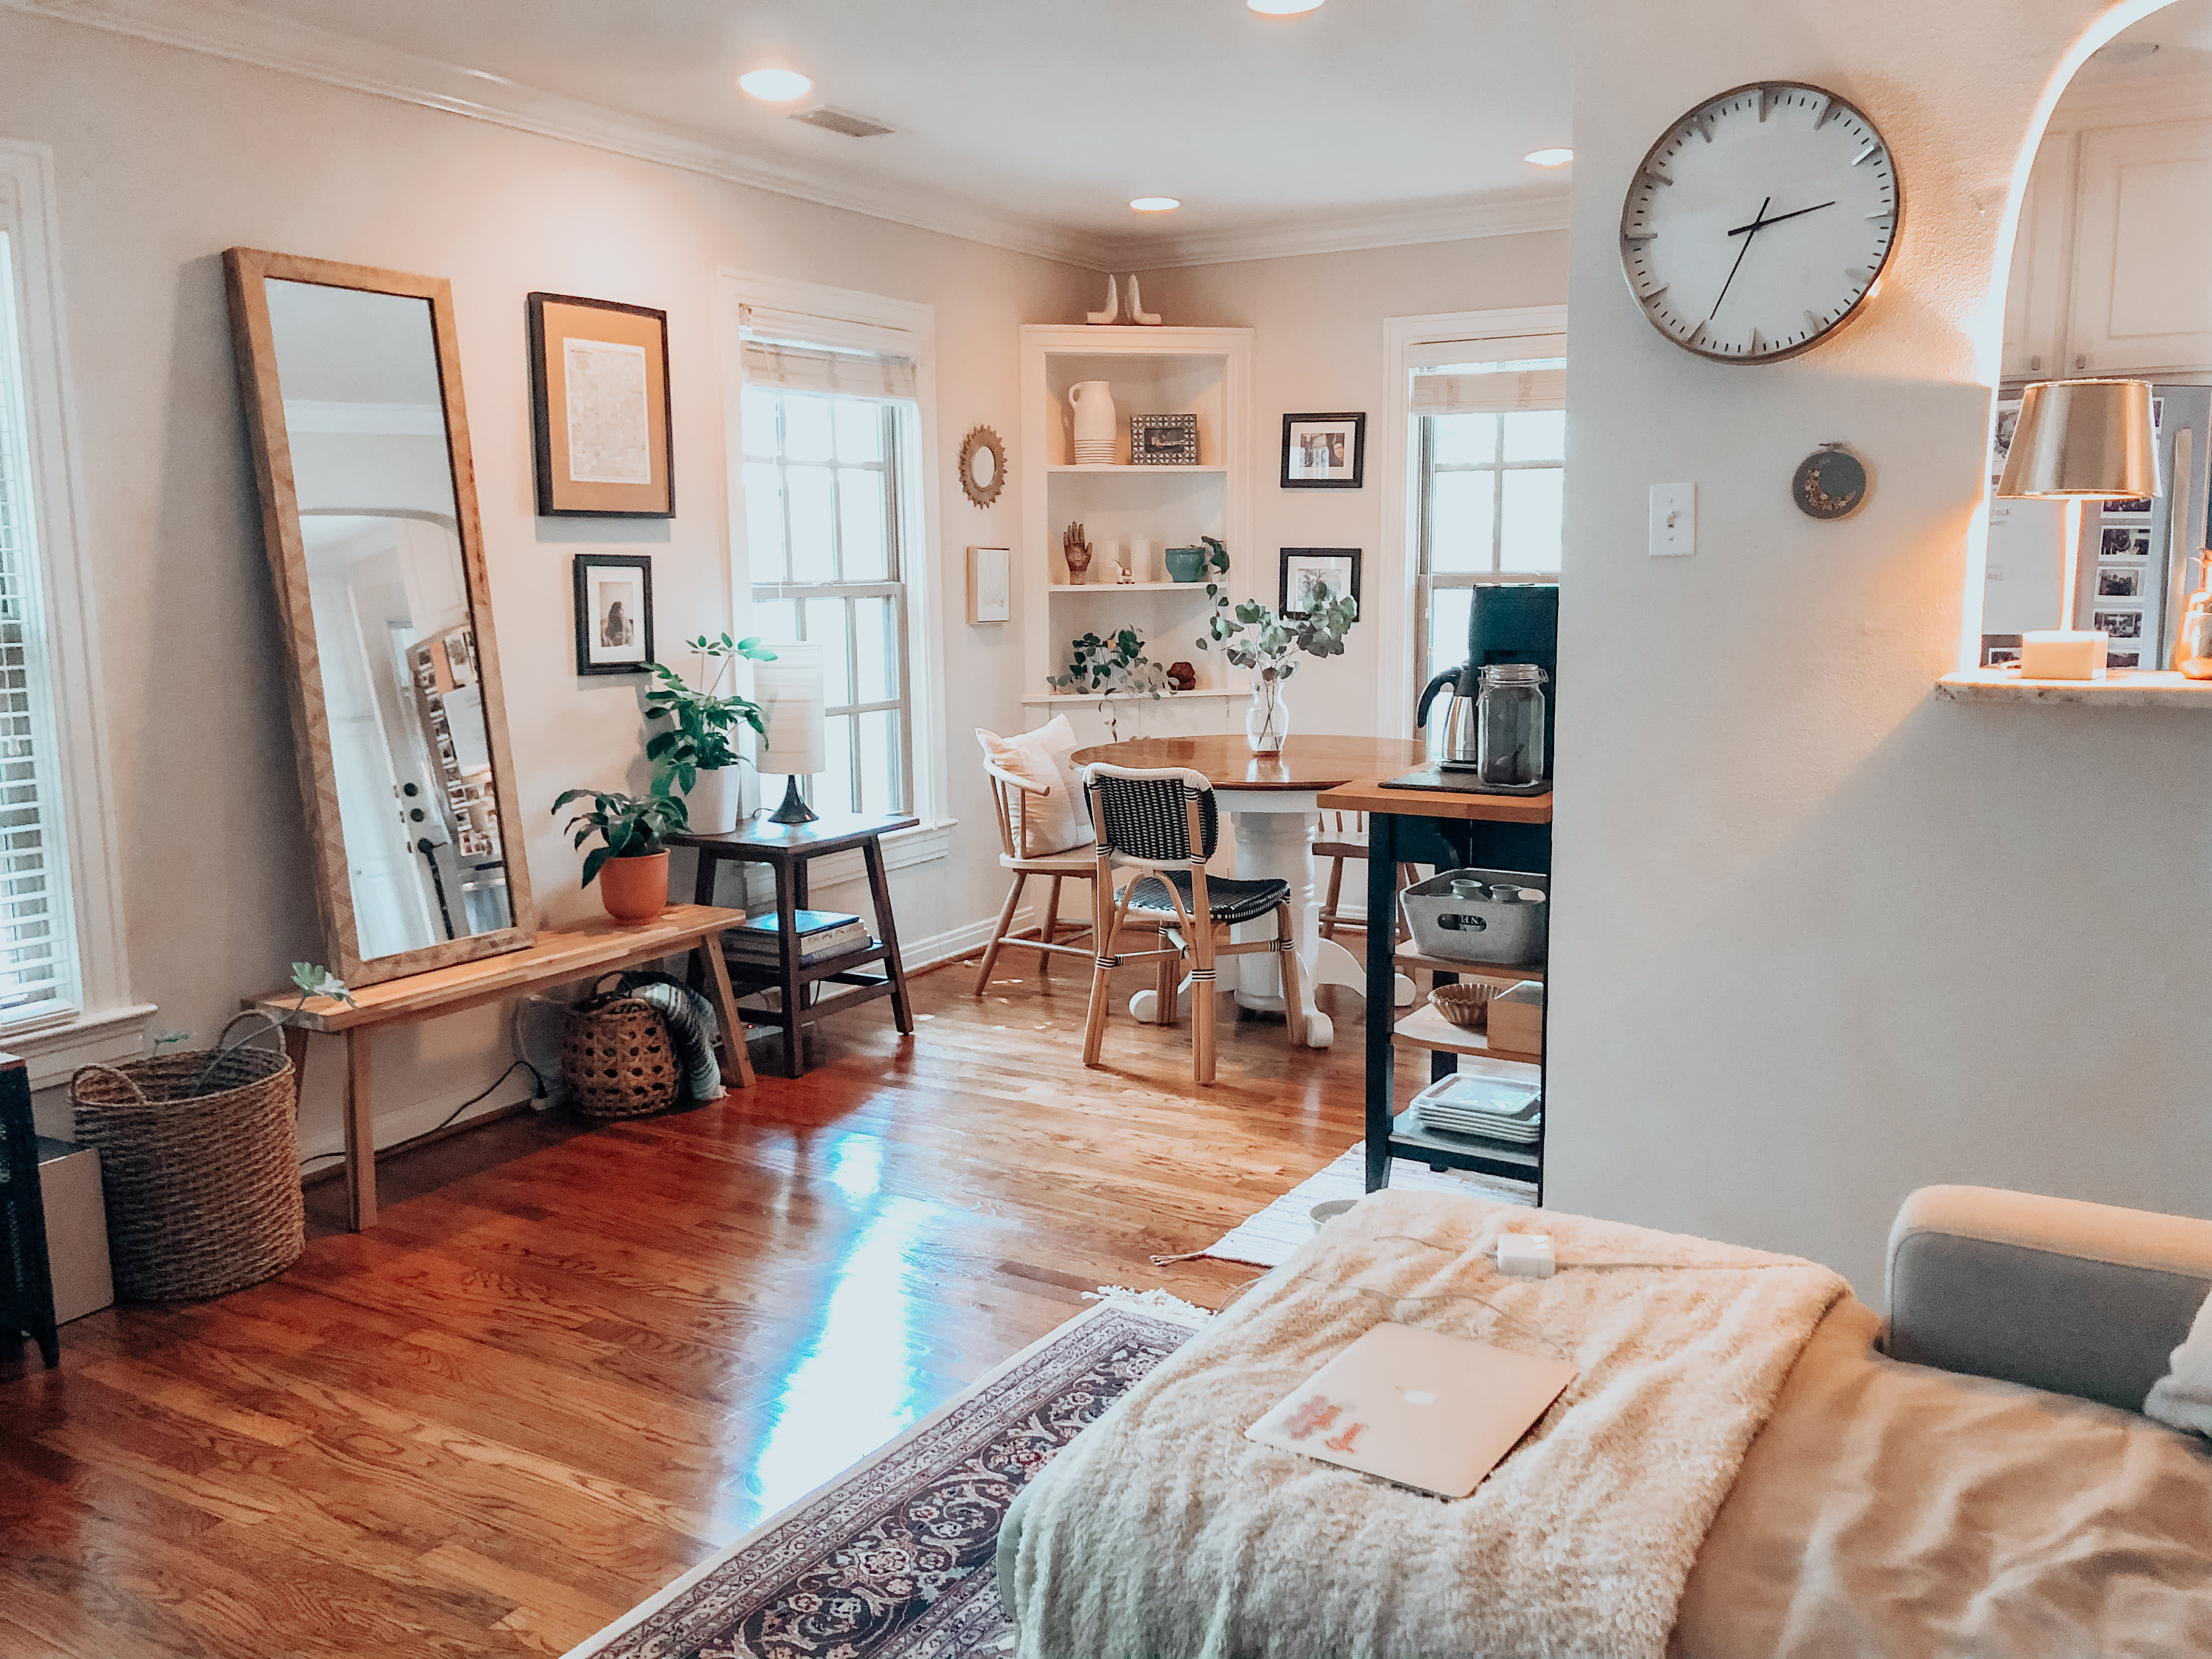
(789, 692)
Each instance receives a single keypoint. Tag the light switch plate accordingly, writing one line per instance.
(1674, 521)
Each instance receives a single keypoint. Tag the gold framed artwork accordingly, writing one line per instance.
(599, 409)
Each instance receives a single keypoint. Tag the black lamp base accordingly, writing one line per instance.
(793, 809)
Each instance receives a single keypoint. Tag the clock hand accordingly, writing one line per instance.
(1761, 224)
(1751, 231)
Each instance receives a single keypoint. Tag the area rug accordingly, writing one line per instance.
(892, 1558)
(1266, 1238)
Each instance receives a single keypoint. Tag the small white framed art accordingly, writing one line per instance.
(990, 584)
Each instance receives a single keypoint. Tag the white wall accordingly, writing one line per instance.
(1320, 348)
(1821, 937)
(165, 158)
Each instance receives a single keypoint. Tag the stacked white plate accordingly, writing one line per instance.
(1483, 1106)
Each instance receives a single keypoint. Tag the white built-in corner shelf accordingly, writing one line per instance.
(2124, 689)
(1198, 588)
(1140, 472)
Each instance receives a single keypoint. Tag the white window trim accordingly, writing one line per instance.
(1406, 341)
(905, 328)
(108, 1025)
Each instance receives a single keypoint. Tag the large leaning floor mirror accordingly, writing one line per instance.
(352, 388)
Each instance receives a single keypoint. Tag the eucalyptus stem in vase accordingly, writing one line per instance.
(1267, 642)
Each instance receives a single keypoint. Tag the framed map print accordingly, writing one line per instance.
(598, 408)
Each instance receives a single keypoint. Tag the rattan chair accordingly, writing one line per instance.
(1163, 824)
(1077, 864)
(1344, 835)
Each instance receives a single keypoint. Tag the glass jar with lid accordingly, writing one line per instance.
(1510, 716)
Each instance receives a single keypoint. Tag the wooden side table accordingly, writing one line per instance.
(787, 849)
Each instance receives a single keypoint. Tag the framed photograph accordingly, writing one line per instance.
(1324, 451)
(2124, 659)
(990, 584)
(614, 613)
(2119, 584)
(2137, 506)
(2123, 541)
(2120, 624)
(1998, 649)
(1163, 441)
(1313, 576)
(598, 409)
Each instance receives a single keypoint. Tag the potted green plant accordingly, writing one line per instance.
(1110, 667)
(1253, 636)
(696, 755)
(634, 859)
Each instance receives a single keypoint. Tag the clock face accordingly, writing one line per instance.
(1760, 222)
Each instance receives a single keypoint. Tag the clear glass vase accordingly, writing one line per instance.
(1268, 722)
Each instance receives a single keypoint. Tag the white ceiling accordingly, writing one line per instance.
(1365, 123)
(2181, 33)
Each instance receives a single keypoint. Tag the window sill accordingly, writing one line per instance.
(2125, 689)
(52, 1052)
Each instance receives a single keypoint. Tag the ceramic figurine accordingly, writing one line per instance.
(1076, 551)
(1137, 311)
(1182, 677)
(1113, 312)
(1123, 575)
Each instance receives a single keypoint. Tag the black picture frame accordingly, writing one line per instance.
(588, 661)
(1288, 556)
(1301, 478)
(626, 326)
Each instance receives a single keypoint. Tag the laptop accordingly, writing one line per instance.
(1428, 1410)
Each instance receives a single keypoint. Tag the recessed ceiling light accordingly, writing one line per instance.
(1283, 7)
(1155, 204)
(1549, 158)
(775, 86)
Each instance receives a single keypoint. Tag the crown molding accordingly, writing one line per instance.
(2131, 100)
(288, 47)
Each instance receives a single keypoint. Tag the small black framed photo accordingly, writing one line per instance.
(2120, 624)
(2119, 584)
(614, 613)
(1312, 576)
(1163, 441)
(1324, 451)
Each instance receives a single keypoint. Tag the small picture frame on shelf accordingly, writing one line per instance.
(614, 613)
(1324, 451)
(1311, 576)
(1163, 441)
(990, 584)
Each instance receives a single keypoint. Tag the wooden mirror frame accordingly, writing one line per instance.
(247, 271)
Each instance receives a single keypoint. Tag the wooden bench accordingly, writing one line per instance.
(559, 958)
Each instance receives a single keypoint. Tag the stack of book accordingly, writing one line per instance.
(757, 947)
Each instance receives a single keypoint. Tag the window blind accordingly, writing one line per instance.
(793, 367)
(36, 970)
(1491, 390)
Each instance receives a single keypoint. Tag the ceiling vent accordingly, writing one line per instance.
(838, 120)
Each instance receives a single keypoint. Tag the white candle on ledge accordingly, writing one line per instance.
(2062, 653)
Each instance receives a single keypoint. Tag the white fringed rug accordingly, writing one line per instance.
(1267, 1239)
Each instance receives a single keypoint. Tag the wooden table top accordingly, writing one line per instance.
(758, 838)
(1227, 760)
(559, 956)
(1368, 795)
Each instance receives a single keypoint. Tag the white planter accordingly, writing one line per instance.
(716, 799)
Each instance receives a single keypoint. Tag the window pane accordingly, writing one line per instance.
(813, 512)
(833, 791)
(875, 649)
(806, 428)
(861, 522)
(1461, 438)
(1448, 614)
(825, 627)
(776, 621)
(1536, 435)
(758, 414)
(1460, 506)
(1531, 508)
(880, 765)
(859, 430)
(765, 520)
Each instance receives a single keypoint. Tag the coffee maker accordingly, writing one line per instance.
(1506, 623)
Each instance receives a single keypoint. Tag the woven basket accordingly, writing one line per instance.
(617, 1059)
(203, 1190)
(1466, 1006)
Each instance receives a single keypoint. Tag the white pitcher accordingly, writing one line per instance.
(1093, 403)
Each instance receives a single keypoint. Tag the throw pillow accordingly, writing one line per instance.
(1055, 820)
(2182, 1399)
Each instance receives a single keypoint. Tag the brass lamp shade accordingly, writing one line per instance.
(2084, 439)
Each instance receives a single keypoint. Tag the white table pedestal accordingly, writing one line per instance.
(1274, 831)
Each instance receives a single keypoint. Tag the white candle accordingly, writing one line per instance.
(2062, 653)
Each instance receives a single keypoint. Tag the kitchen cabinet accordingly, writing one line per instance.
(2036, 291)
(2142, 244)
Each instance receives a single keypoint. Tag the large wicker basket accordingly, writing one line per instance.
(203, 1189)
(616, 1060)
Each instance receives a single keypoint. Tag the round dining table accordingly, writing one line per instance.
(1272, 800)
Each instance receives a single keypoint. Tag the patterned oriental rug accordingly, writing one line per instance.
(893, 1560)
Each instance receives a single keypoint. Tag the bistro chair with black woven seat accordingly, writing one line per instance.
(1163, 823)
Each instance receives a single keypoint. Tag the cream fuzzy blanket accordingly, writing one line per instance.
(1161, 1533)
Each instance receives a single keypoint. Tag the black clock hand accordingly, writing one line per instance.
(1752, 230)
(1761, 224)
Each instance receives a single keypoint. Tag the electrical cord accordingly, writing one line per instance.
(536, 1077)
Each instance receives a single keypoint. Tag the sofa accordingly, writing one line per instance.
(1973, 1477)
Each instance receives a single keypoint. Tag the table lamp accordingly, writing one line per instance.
(2078, 441)
(789, 692)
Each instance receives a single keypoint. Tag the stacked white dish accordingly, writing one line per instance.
(1486, 1107)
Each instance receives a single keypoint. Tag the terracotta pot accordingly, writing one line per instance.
(635, 890)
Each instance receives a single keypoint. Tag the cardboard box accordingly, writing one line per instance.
(1517, 1019)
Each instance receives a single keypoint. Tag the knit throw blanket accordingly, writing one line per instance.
(1161, 1530)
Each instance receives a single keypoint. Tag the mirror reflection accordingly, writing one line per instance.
(409, 749)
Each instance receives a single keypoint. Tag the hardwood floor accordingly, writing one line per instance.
(573, 1361)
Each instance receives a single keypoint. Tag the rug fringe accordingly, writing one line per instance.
(1152, 1302)
(1170, 1261)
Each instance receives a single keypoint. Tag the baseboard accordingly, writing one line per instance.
(921, 953)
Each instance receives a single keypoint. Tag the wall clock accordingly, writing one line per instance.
(1760, 222)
